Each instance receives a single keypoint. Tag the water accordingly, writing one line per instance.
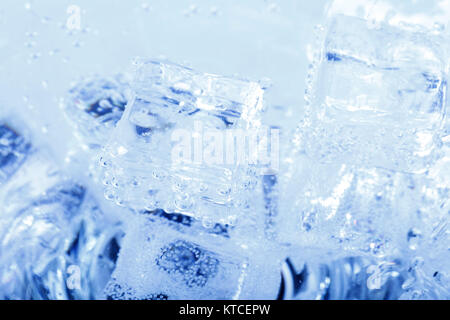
(157, 156)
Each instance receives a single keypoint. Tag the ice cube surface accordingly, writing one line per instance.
(379, 96)
(94, 105)
(172, 102)
(158, 259)
(360, 210)
(347, 278)
(51, 229)
(14, 148)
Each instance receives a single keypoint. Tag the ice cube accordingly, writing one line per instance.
(54, 240)
(161, 261)
(171, 103)
(350, 278)
(378, 96)
(358, 209)
(429, 240)
(94, 105)
(271, 197)
(14, 149)
(93, 248)
(52, 233)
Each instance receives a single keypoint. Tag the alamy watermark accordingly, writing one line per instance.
(73, 280)
(229, 147)
(74, 19)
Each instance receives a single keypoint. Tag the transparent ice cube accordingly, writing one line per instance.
(174, 101)
(14, 149)
(160, 260)
(359, 210)
(346, 278)
(378, 96)
(429, 240)
(33, 236)
(94, 105)
(271, 197)
(52, 234)
(58, 246)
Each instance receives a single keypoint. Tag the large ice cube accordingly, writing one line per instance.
(378, 97)
(170, 103)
